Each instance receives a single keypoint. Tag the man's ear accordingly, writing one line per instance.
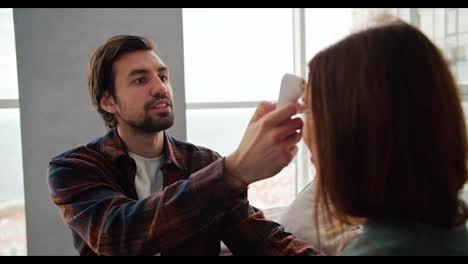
(107, 103)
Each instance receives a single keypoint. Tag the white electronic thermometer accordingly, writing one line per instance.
(291, 89)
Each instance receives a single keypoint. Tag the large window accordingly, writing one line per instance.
(12, 220)
(447, 27)
(235, 58)
(338, 21)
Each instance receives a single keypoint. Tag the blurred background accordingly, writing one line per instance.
(222, 62)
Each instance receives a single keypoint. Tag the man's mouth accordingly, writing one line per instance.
(161, 106)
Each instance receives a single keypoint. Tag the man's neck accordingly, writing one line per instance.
(143, 144)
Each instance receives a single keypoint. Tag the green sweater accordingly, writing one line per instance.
(391, 237)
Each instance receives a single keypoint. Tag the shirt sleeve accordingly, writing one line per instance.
(250, 233)
(113, 224)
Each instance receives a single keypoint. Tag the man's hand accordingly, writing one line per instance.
(268, 145)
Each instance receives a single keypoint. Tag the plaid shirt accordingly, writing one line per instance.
(93, 186)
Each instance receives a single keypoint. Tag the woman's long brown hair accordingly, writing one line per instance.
(389, 127)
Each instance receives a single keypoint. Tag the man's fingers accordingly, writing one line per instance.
(293, 139)
(290, 154)
(280, 115)
(263, 108)
(288, 128)
(301, 108)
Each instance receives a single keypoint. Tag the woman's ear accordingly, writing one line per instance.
(107, 103)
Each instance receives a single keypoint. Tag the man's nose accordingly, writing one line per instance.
(158, 87)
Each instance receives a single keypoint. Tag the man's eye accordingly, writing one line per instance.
(163, 78)
(140, 80)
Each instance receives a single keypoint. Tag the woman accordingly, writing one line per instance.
(385, 128)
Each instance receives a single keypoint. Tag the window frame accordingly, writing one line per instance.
(304, 172)
(9, 104)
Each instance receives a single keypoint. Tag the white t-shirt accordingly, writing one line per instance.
(149, 177)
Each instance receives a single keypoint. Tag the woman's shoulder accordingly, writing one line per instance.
(409, 238)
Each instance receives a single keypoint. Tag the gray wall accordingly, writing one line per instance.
(53, 49)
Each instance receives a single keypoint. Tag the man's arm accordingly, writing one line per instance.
(113, 224)
(248, 232)
(268, 145)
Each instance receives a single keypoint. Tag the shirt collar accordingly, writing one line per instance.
(114, 148)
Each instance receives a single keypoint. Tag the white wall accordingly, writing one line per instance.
(53, 49)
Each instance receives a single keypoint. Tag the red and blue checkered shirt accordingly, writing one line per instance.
(93, 186)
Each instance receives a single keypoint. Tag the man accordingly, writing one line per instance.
(138, 191)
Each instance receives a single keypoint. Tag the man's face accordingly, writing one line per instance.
(143, 93)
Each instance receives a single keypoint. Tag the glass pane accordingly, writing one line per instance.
(236, 54)
(462, 59)
(451, 49)
(426, 18)
(439, 23)
(218, 129)
(9, 87)
(338, 25)
(404, 14)
(277, 191)
(451, 21)
(440, 43)
(221, 130)
(341, 21)
(463, 20)
(431, 22)
(12, 219)
(462, 72)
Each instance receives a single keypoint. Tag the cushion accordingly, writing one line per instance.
(299, 219)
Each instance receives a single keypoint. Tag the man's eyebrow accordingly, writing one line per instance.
(163, 69)
(137, 72)
(145, 71)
